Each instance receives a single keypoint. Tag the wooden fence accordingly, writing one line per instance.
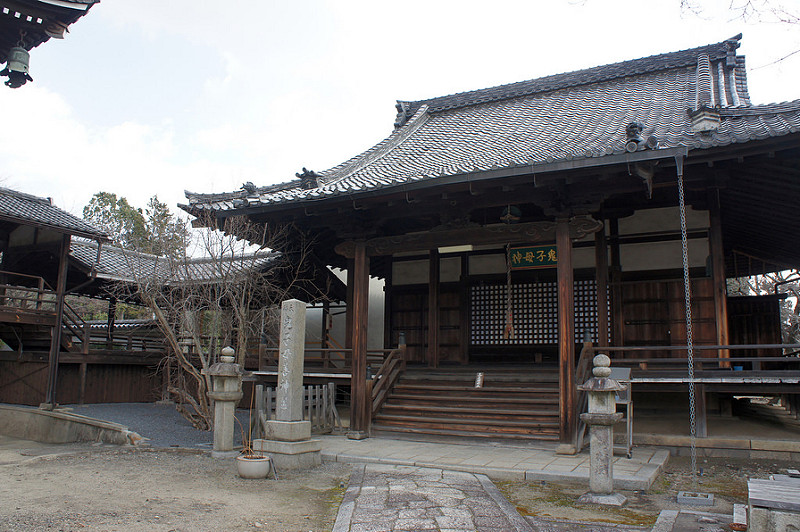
(319, 407)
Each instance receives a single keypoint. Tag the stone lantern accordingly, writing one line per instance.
(601, 417)
(226, 391)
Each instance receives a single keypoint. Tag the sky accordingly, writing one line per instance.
(154, 97)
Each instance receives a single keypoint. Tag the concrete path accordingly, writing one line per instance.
(499, 462)
(390, 498)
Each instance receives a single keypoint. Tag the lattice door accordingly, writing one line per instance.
(535, 308)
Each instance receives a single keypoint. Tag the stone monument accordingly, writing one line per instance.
(226, 391)
(601, 418)
(287, 439)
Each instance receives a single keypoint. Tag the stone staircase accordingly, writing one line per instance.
(513, 403)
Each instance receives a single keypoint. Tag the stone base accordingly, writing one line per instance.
(694, 498)
(610, 499)
(287, 430)
(357, 435)
(224, 454)
(566, 448)
(291, 455)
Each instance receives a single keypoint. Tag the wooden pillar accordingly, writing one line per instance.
(348, 320)
(432, 355)
(718, 275)
(82, 390)
(388, 319)
(359, 401)
(567, 390)
(601, 273)
(55, 337)
(323, 333)
(617, 322)
(466, 311)
(112, 317)
(700, 417)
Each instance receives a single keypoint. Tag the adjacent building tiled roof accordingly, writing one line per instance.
(565, 117)
(22, 208)
(117, 264)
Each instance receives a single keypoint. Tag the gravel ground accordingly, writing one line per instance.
(161, 424)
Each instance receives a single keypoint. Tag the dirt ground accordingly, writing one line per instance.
(113, 489)
(724, 478)
(160, 491)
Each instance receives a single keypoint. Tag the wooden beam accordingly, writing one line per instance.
(359, 400)
(601, 274)
(432, 354)
(567, 390)
(719, 281)
(55, 337)
(15, 315)
(525, 233)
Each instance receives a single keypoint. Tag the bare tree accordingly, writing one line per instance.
(767, 11)
(226, 297)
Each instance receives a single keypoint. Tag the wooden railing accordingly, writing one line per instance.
(315, 357)
(385, 378)
(735, 370)
(319, 407)
(40, 297)
(74, 329)
(702, 363)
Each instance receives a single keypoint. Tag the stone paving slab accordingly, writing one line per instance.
(691, 521)
(393, 498)
(499, 462)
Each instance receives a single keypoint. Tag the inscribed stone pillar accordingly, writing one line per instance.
(287, 439)
(291, 352)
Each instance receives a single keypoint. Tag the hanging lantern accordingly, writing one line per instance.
(17, 67)
(511, 214)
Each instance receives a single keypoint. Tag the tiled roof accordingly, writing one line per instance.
(24, 208)
(117, 264)
(725, 50)
(565, 117)
(41, 20)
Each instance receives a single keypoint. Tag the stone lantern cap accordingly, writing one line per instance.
(226, 367)
(600, 382)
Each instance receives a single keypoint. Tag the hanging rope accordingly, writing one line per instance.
(687, 292)
(508, 331)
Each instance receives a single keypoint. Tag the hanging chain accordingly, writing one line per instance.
(21, 41)
(687, 290)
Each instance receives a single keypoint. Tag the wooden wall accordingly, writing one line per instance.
(654, 313)
(26, 383)
(409, 308)
(755, 320)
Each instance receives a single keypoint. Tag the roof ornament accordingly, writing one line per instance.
(402, 113)
(249, 187)
(308, 179)
(635, 141)
(705, 114)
